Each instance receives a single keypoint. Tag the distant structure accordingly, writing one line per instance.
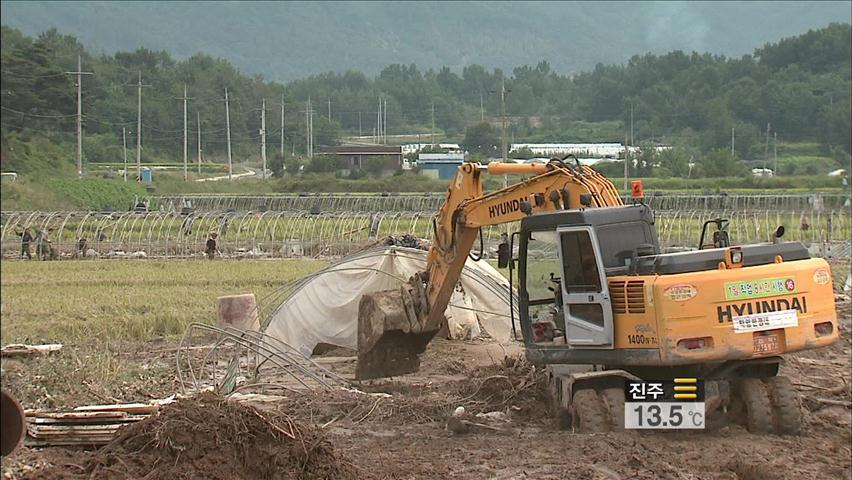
(593, 150)
(416, 147)
(354, 157)
(440, 165)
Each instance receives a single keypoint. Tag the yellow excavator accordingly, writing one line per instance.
(600, 305)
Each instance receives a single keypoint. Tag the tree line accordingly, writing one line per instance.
(797, 88)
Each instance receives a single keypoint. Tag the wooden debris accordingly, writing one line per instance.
(144, 408)
(85, 425)
(22, 350)
(98, 424)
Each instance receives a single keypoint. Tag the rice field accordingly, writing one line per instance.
(80, 302)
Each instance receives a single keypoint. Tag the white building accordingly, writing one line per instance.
(585, 150)
(416, 147)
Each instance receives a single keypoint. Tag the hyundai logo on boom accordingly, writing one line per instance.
(503, 208)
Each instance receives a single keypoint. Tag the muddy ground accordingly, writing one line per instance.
(397, 429)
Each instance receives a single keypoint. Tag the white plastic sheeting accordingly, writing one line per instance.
(325, 308)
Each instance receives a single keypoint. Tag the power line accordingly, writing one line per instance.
(37, 115)
(32, 77)
(37, 129)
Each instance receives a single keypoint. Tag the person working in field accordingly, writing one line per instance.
(26, 239)
(212, 247)
(42, 244)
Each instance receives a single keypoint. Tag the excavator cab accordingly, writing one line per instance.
(564, 260)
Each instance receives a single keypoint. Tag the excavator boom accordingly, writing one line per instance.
(394, 326)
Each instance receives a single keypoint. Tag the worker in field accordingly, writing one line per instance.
(82, 246)
(26, 242)
(44, 248)
(212, 247)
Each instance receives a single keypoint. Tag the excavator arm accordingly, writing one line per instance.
(394, 326)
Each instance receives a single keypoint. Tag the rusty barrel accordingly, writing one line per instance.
(13, 423)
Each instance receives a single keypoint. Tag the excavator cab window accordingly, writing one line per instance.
(581, 269)
(542, 284)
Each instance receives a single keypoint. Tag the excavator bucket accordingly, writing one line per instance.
(389, 335)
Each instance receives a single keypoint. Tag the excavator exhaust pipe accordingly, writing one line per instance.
(13, 424)
(389, 340)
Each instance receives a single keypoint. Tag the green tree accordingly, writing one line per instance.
(720, 163)
(323, 164)
(276, 164)
(644, 163)
(481, 138)
(524, 153)
(674, 161)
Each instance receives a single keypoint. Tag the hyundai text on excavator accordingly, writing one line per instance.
(600, 305)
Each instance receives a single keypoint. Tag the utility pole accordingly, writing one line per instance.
(185, 134)
(631, 125)
(282, 127)
(359, 125)
(626, 160)
(733, 140)
(379, 122)
(79, 74)
(124, 142)
(385, 122)
(481, 109)
(775, 152)
(309, 129)
(433, 124)
(198, 124)
(228, 134)
(765, 150)
(503, 144)
(329, 109)
(139, 86)
(263, 136)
